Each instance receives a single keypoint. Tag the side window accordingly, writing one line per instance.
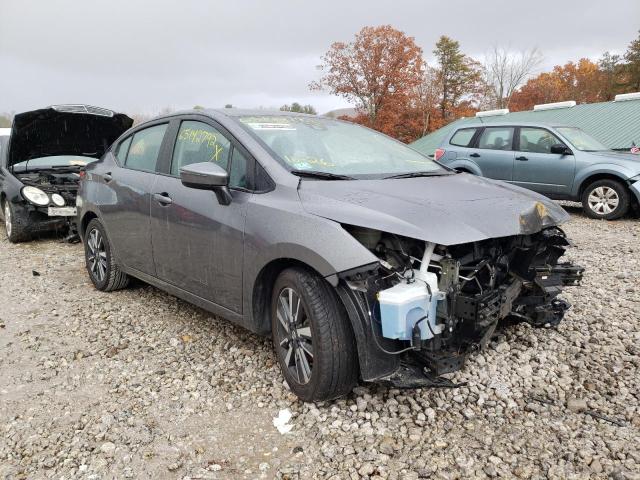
(496, 138)
(122, 149)
(537, 140)
(463, 137)
(145, 147)
(199, 142)
(239, 173)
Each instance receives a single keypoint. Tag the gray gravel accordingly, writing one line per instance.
(137, 384)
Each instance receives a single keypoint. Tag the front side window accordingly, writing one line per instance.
(537, 140)
(496, 138)
(581, 140)
(306, 143)
(145, 147)
(463, 137)
(199, 142)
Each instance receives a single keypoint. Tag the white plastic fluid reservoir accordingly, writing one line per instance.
(402, 305)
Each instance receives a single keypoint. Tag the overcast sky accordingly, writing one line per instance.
(142, 56)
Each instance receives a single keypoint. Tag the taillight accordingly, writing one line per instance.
(438, 154)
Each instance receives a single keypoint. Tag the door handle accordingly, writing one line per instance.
(475, 155)
(107, 177)
(522, 159)
(162, 198)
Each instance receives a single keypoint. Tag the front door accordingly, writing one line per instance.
(536, 168)
(197, 242)
(494, 153)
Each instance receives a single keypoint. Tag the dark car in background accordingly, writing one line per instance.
(560, 162)
(362, 258)
(40, 164)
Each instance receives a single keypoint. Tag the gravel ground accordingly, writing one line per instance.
(137, 384)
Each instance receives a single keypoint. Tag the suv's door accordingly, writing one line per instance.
(493, 152)
(538, 169)
(126, 215)
(197, 242)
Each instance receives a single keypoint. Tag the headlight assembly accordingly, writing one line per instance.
(35, 196)
(58, 200)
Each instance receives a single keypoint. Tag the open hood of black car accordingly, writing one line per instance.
(64, 130)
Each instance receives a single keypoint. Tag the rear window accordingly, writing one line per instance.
(463, 137)
(145, 147)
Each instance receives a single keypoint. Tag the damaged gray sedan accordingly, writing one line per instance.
(363, 259)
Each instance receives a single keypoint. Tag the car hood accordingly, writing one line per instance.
(446, 210)
(64, 130)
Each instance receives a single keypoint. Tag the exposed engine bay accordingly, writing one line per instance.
(61, 181)
(432, 305)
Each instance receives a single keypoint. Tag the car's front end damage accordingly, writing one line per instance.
(458, 257)
(475, 286)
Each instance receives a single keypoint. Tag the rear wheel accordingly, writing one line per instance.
(101, 265)
(606, 199)
(16, 231)
(312, 336)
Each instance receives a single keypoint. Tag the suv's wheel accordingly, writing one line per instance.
(607, 199)
(312, 336)
(103, 270)
(16, 232)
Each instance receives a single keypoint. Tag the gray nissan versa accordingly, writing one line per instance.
(361, 257)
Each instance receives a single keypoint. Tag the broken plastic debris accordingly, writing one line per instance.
(281, 422)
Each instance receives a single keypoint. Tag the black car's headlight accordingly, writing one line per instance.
(58, 200)
(35, 196)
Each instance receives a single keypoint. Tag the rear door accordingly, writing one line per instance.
(493, 152)
(197, 242)
(130, 185)
(536, 168)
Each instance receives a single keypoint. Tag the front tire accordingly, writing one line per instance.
(16, 231)
(312, 337)
(606, 199)
(101, 265)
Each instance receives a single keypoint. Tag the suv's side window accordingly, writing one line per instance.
(145, 147)
(537, 140)
(496, 138)
(199, 142)
(463, 137)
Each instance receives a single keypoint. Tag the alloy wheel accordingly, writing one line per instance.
(603, 200)
(97, 255)
(7, 218)
(294, 335)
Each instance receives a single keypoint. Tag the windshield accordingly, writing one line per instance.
(336, 147)
(581, 140)
(53, 162)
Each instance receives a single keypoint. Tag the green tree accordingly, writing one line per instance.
(296, 107)
(458, 75)
(611, 68)
(632, 66)
(5, 122)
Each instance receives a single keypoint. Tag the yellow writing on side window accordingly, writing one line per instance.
(199, 136)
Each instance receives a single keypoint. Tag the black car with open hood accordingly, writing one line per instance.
(41, 162)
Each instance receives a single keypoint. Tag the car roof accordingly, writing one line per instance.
(480, 123)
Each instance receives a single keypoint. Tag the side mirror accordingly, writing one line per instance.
(207, 176)
(561, 149)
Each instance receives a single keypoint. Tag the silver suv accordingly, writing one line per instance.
(561, 162)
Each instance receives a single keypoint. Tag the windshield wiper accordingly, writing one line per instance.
(320, 175)
(418, 174)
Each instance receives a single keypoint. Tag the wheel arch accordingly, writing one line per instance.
(86, 218)
(596, 177)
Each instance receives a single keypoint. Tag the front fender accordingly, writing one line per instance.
(601, 169)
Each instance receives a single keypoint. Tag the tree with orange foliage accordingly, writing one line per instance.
(583, 82)
(378, 71)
